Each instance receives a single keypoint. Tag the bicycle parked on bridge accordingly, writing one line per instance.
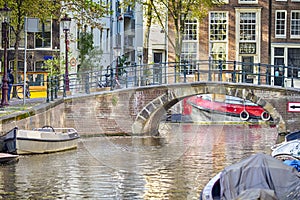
(114, 83)
(20, 90)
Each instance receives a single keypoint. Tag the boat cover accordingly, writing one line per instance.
(262, 172)
(293, 163)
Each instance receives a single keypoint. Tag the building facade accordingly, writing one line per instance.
(285, 38)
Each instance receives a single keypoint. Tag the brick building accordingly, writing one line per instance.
(248, 31)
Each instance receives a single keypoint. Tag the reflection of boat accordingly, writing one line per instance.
(41, 140)
(7, 158)
(259, 176)
(228, 106)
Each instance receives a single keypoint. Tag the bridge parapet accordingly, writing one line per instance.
(139, 110)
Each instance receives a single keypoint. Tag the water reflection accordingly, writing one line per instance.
(176, 166)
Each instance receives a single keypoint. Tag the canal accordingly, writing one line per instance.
(174, 166)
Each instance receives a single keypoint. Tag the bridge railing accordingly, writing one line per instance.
(169, 73)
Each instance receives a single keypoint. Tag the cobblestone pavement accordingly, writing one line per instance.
(20, 102)
(16, 105)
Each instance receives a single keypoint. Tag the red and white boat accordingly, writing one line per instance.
(224, 105)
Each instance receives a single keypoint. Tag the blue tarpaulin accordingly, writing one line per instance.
(293, 163)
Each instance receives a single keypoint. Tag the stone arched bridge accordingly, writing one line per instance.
(139, 110)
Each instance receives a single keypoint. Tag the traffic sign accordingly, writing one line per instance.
(293, 106)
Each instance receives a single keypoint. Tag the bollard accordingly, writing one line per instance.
(64, 88)
(47, 97)
(51, 83)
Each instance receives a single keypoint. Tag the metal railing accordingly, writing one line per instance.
(129, 76)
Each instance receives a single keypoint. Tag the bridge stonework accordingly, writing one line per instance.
(139, 110)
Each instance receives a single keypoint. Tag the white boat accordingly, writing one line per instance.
(40, 140)
(287, 150)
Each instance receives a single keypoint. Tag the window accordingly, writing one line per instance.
(218, 23)
(190, 27)
(218, 26)
(190, 42)
(247, 26)
(295, 24)
(248, 31)
(43, 37)
(293, 61)
(280, 24)
(248, 1)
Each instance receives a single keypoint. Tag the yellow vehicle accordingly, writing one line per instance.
(37, 83)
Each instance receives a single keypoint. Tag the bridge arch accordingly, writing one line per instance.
(147, 120)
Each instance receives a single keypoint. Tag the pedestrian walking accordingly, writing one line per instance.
(10, 83)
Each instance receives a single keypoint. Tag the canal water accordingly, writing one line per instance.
(174, 166)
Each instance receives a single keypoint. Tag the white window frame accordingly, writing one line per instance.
(248, 1)
(258, 32)
(215, 43)
(192, 41)
(51, 36)
(294, 36)
(285, 24)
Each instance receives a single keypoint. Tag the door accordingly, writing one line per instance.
(247, 69)
(157, 71)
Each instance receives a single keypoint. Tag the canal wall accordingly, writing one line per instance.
(38, 116)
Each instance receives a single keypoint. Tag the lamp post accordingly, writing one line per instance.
(66, 27)
(5, 14)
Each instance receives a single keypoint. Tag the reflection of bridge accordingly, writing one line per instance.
(137, 109)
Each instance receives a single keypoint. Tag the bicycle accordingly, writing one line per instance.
(20, 91)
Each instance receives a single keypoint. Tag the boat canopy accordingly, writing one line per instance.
(260, 174)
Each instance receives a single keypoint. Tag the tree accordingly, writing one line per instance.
(177, 12)
(87, 13)
(84, 12)
(22, 8)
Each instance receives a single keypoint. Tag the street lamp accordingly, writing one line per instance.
(66, 27)
(5, 14)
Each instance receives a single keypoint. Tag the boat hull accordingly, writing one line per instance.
(38, 141)
(6, 158)
(290, 148)
(28, 146)
(204, 107)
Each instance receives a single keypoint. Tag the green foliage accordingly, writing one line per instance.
(121, 65)
(92, 60)
(90, 57)
(52, 66)
(85, 44)
(177, 12)
(86, 12)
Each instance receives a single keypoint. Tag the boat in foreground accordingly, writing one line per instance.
(41, 140)
(288, 149)
(259, 176)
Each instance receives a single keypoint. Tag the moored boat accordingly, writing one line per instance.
(6, 158)
(259, 176)
(227, 107)
(287, 150)
(41, 140)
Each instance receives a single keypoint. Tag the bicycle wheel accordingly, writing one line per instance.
(20, 93)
